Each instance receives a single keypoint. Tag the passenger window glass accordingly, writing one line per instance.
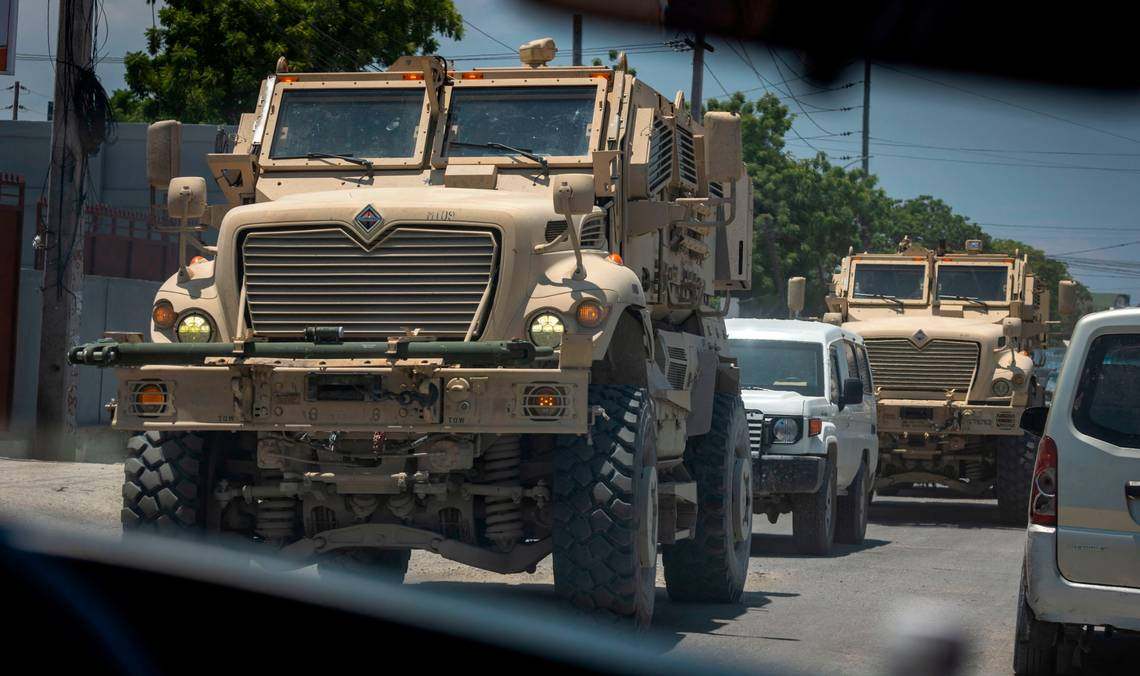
(833, 375)
(1107, 403)
(864, 370)
(852, 363)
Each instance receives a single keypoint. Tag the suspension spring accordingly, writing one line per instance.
(501, 462)
(276, 519)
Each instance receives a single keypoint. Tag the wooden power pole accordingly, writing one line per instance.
(58, 391)
(867, 117)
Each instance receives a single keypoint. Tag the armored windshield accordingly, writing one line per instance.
(889, 281)
(548, 121)
(981, 282)
(378, 123)
(779, 365)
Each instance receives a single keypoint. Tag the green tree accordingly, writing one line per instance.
(206, 60)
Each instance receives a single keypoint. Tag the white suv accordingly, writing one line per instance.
(1082, 554)
(807, 387)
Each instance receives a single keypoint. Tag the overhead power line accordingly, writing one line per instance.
(488, 35)
(1099, 248)
(1011, 104)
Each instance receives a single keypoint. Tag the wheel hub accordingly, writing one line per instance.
(647, 544)
(742, 499)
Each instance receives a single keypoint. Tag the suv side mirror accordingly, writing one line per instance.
(572, 194)
(163, 152)
(724, 159)
(1033, 420)
(852, 392)
(1067, 297)
(796, 288)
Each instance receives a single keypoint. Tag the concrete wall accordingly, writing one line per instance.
(118, 179)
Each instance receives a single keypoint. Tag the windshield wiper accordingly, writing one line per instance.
(969, 299)
(510, 149)
(367, 164)
(883, 296)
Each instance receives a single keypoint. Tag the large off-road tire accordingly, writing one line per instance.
(813, 516)
(1034, 642)
(851, 519)
(390, 565)
(165, 486)
(712, 565)
(1015, 460)
(605, 507)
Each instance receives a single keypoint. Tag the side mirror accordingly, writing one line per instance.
(163, 152)
(724, 159)
(1067, 297)
(1033, 420)
(796, 291)
(852, 392)
(573, 194)
(1010, 328)
(186, 197)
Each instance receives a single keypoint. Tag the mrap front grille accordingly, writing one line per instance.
(417, 277)
(938, 366)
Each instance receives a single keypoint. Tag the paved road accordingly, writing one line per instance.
(924, 559)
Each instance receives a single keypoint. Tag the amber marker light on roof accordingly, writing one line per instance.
(472, 75)
(413, 76)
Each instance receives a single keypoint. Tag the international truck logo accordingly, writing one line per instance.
(919, 337)
(368, 218)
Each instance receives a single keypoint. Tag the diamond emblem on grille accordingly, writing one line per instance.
(919, 337)
(368, 218)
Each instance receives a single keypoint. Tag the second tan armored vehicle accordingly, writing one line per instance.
(952, 340)
(475, 313)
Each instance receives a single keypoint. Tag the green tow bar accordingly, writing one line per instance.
(109, 353)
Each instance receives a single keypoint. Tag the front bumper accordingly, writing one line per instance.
(785, 474)
(1055, 599)
(418, 396)
(919, 416)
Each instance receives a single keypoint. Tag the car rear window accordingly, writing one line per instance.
(1107, 403)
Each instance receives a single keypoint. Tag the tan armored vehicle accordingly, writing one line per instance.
(475, 313)
(952, 340)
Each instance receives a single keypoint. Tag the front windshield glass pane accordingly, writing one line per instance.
(984, 282)
(780, 365)
(356, 122)
(551, 121)
(903, 282)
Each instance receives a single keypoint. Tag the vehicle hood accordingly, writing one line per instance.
(773, 402)
(981, 329)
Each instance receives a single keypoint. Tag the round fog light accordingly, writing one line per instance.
(194, 328)
(546, 330)
(1001, 387)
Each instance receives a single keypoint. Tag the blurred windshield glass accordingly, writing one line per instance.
(904, 282)
(354, 122)
(984, 282)
(551, 121)
(780, 365)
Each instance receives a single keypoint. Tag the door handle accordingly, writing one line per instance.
(1132, 490)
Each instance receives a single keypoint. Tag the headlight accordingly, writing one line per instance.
(194, 328)
(785, 430)
(546, 329)
(1001, 387)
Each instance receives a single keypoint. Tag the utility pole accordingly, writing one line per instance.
(58, 390)
(16, 100)
(867, 117)
(577, 39)
(698, 46)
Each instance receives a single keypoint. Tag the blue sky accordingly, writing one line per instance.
(1056, 168)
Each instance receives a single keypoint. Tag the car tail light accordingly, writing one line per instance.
(1043, 490)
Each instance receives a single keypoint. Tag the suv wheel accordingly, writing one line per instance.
(712, 566)
(165, 487)
(1034, 642)
(813, 516)
(605, 507)
(1015, 460)
(851, 521)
